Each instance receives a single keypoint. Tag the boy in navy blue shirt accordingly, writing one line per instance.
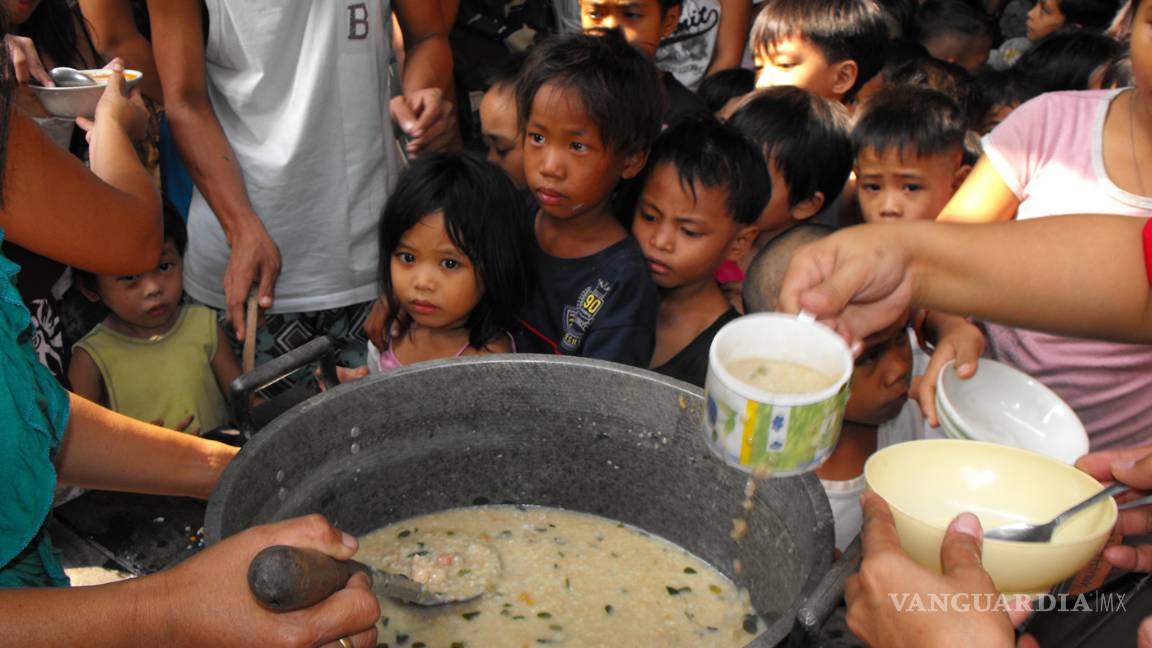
(590, 107)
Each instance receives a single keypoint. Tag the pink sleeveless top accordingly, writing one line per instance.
(379, 362)
(1050, 154)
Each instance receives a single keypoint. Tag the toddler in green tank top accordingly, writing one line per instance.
(154, 358)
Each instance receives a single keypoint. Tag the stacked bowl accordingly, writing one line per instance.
(1006, 406)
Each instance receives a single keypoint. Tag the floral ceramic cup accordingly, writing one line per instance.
(768, 432)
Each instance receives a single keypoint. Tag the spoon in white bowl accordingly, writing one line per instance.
(66, 77)
(1028, 532)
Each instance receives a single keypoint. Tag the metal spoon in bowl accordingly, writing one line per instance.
(1027, 532)
(66, 77)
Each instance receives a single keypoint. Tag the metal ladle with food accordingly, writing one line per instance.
(452, 569)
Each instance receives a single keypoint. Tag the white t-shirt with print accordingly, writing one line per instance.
(301, 90)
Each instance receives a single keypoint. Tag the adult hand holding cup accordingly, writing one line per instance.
(775, 393)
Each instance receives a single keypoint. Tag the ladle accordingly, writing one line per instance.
(66, 77)
(290, 578)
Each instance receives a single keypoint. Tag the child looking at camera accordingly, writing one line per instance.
(454, 265)
(909, 147)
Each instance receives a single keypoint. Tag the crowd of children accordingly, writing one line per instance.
(624, 216)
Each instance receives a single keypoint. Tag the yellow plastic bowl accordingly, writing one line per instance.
(928, 483)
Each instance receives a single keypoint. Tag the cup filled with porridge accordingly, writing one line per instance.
(775, 393)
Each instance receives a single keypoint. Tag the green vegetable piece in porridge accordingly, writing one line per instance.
(567, 588)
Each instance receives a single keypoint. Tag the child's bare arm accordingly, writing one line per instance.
(85, 378)
(732, 36)
(114, 196)
(955, 338)
(224, 364)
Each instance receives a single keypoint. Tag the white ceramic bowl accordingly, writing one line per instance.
(1007, 406)
(929, 482)
(81, 101)
(948, 426)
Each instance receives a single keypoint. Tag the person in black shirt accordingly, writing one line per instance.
(703, 189)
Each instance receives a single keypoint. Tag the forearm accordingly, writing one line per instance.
(211, 163)
(1074, 275)
(428, 64)
(735, 22)
(427, 55)
(113, 28)
(112, 157)
(118, 614)
(105, 450)
(115, 196)
(178, 49)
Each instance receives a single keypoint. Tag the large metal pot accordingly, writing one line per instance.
(570, 433)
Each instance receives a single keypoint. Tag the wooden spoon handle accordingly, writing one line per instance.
(287, 578)
(250, 317)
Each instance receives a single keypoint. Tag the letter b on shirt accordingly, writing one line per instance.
(357, 21)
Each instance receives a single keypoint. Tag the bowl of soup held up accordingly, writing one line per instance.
(927, 483)
(80, 101)
(775, 394)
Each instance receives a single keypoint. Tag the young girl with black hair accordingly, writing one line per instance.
(454, 263)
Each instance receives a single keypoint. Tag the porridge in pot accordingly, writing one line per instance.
(560, 579)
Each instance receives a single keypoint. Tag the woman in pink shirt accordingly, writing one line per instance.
(1073, 153)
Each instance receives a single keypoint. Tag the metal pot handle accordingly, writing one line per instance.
(827, 595)
(322, 349)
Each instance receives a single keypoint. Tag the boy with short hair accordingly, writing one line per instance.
(879, 412)
(909, 147)
(955, 31)
(828, 47)
(805, 143)
(644, 24)
(589, 108)
(152, 357)
(703, 189)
